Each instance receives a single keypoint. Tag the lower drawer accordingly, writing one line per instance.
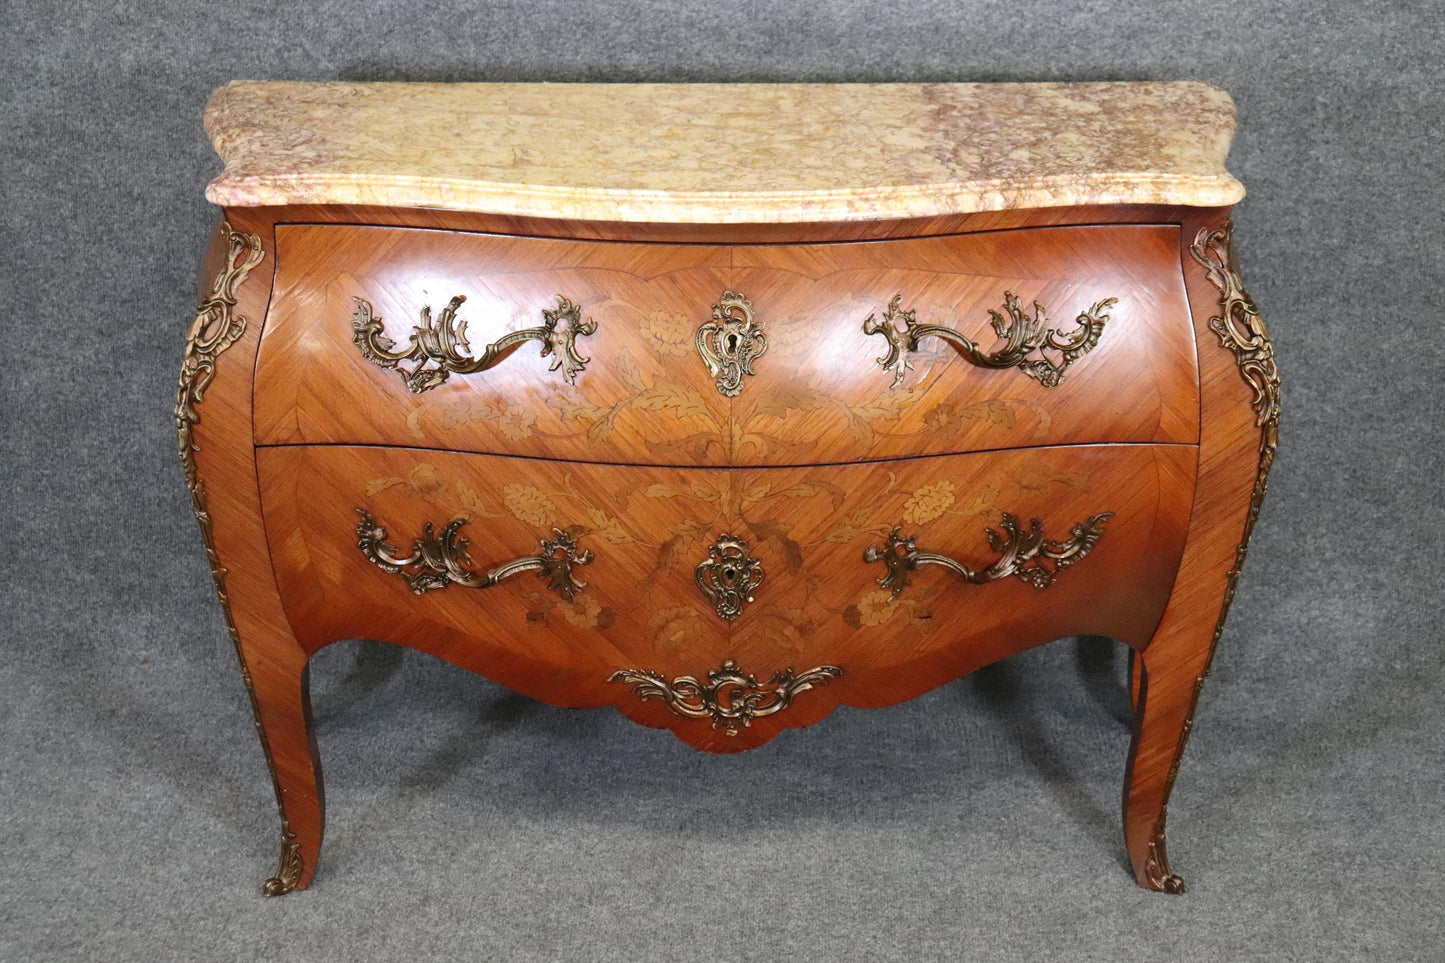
(973, 557)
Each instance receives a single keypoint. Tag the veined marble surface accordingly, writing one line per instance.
(722, 153)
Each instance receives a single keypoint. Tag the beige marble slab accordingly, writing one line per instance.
(722, 153)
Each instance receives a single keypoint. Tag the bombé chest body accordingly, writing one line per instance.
(725, 439)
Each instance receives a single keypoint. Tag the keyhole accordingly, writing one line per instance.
(732, 343)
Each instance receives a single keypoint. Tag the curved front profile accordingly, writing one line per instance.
(725, 605)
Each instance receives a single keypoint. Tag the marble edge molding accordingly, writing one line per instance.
(750, 207)
(257, 174)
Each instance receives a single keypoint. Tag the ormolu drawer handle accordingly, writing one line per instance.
(1023, 554)
(437, 561)
(1023, 335)
(441, 342)
(729, 697)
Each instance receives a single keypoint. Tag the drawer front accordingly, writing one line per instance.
(995, 340)
(1102, 347)
(641, 395)
(674, 618)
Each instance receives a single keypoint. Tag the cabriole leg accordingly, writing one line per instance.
(1163, 715)
(283, 721)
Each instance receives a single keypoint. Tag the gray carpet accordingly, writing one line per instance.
(979, 822)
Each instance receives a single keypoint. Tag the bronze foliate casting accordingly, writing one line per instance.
(440, 559)
(731, 699)
(1241, 329)
(216, 327)
(1023, 554)
(1022, 336)
(442, 342)
(728, 576)
(731, 342)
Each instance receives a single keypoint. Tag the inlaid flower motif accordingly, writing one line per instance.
(928, 502)
(877, 607)
(583, 611)
(670, 333)
(516, 422)
(529, 504)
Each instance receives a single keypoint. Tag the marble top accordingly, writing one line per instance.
(722, 153)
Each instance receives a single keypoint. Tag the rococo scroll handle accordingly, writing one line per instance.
(442, 343)
(1024, 337)
(728, 576)
(732, 699)
(730, 342)
(438, 560)
(1023, 554)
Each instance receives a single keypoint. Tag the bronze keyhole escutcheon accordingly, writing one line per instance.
(728, 576)
(731, 342)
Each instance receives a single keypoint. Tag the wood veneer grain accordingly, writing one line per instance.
(649, 527)
(817, 395)
(1120, 590)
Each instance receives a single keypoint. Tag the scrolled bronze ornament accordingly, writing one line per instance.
(1023, 554)
(216, 327)
(729, 697)
(442, 343)
(1240, 329)
(731, 342)
(1022, 336)
(728, 576)
(440, 559)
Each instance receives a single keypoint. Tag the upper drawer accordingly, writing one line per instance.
(999, 340)
(1064, 335)
(637, 392)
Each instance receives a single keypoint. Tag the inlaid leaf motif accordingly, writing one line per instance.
(606, 526)
(773, 532)
(810, 489)
(572, 407)
(420, 482)
(472, 502)
(889, 405)
(784, 398)
(673, 630)
(666, 396)
(850, 527)
(626, 367)
(1028, 481)
(861, 431)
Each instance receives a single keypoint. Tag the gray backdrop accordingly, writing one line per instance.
(979, 822)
